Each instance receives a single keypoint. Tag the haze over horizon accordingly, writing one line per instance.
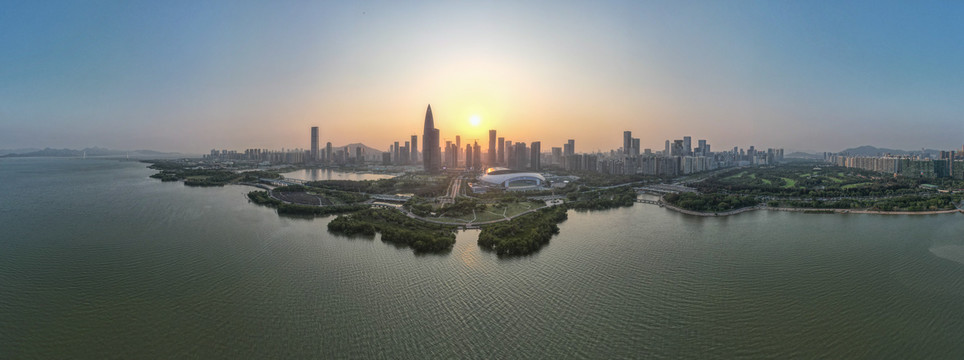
(191, 76)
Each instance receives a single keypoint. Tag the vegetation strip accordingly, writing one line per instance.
(396, 228)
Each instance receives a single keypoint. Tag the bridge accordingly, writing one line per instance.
(662, 189)
(547, 197)
(652, 202)
(283, 181)
(391, 198)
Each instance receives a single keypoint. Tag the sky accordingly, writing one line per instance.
(190, 76)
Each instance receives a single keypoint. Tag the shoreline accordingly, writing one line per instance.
(806, 210)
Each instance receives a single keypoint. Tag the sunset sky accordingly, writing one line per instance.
(190, 76)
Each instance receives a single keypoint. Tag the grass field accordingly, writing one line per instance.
(851, 186)
(789, 183)
(492, 213)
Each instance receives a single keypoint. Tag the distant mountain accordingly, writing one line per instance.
(17, 151)
(94, 151)
(371, 154)
(868, 150)
(803, 155)
(368, 149)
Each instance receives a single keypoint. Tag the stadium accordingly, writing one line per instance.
(512, 179)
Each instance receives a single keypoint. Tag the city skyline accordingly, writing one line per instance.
(803, 76)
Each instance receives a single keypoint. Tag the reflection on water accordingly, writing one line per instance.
(329, 174)
(950, 252)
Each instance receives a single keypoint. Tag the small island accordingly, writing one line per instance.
(396, 228)
(523, 235)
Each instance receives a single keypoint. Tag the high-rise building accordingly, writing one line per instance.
(535, 162)
(477, 156)
(521, 156)
(570, 147)
(666, 149)
(458, 145)
(500, 156)
(414, 156)
(509, 155)
(491, 150)
(687, 146)
(701, 147)
(406, 153)
(314, 144)
(429, 143)
(627, 142)
(468, 156)
(328, 154)
(396, 157)
(437, 150)
(635, 152)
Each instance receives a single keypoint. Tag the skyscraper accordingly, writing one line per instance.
(509, 152)
(406, 154)
(328, 152)
(627, 141)
(314, 144)
(491, 157)
(429, 143)
(571, 150)
(414, 156)
(535, 162)
(500, 156)
(477, 155)
(396, 157)
(687, 146)
(437, 151)
(458, 145)
(666, 149)
(635, 148)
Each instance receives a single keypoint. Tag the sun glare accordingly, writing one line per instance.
(475, 120)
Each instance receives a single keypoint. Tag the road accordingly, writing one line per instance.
(453, 191)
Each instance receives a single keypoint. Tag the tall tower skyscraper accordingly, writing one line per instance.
(328, 153)
(414, 156)
(477, 156)
(535, 160)
(314, 144)
(458, 145)
(491, 157)
(627, 142)
(429, 143)
(687, 145)
(437, 151)
(666, 149)
(396, 157)
(500, 155)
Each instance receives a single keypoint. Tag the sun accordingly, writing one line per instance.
(475, 120)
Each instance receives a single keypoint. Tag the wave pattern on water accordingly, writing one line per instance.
(100, 261)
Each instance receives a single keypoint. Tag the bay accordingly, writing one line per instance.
(97, 260)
